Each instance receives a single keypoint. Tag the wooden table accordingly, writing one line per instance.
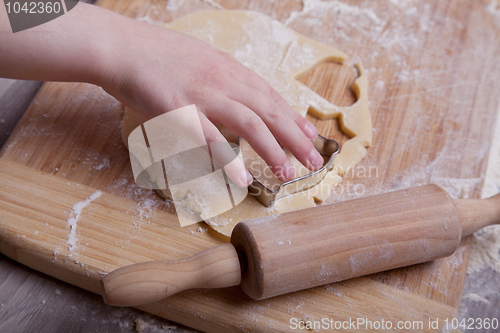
(451, 89)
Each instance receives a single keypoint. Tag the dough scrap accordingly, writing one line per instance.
(279, 55)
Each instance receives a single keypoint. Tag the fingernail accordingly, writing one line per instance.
(246, 178)
(310, 131)
(314, 160)
(288, 171)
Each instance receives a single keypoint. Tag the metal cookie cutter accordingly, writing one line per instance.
(326, 147)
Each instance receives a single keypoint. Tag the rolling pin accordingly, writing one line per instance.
(279, 254)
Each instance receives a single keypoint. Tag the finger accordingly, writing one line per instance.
(255, 81)
(235, 168)
(244, 122)
(284, 128)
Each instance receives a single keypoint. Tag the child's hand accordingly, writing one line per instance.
(155, 70)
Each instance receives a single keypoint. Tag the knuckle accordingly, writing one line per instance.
(209, 76)
(218, 82)
(199, 96)
(273, 94)
(253, 124)
(274, 113)
(214, 82)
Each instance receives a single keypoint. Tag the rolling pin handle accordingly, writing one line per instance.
(477, 214)
(148, 282)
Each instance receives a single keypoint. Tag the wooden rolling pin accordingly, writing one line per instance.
(283, 253)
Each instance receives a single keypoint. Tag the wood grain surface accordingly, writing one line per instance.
(433, 97)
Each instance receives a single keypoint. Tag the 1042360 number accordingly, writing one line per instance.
(33, 7)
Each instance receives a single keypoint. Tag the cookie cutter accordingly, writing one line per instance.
(267, 197)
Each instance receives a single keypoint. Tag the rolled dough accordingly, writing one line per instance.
(279, 55)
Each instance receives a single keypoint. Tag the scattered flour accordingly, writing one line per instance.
(213, 4)
(174, 5)
(75, 215)
(403, 75)
(390, 38)
(140, 325)
(147, 19)
(379, 85)
(338, 6)
(158, 14)
(145, 211)
(200, 230)
(103, 165)
(485, 250)
(492, 180)
(486, 243)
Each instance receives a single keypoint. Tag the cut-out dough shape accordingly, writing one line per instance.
(279, 55)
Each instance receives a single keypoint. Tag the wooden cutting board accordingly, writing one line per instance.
(433, 95)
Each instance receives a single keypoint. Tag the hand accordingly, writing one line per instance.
(155, 70)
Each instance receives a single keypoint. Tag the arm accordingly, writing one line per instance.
(153, 70)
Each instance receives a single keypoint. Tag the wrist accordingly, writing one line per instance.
(114, 46)
(102, 47)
